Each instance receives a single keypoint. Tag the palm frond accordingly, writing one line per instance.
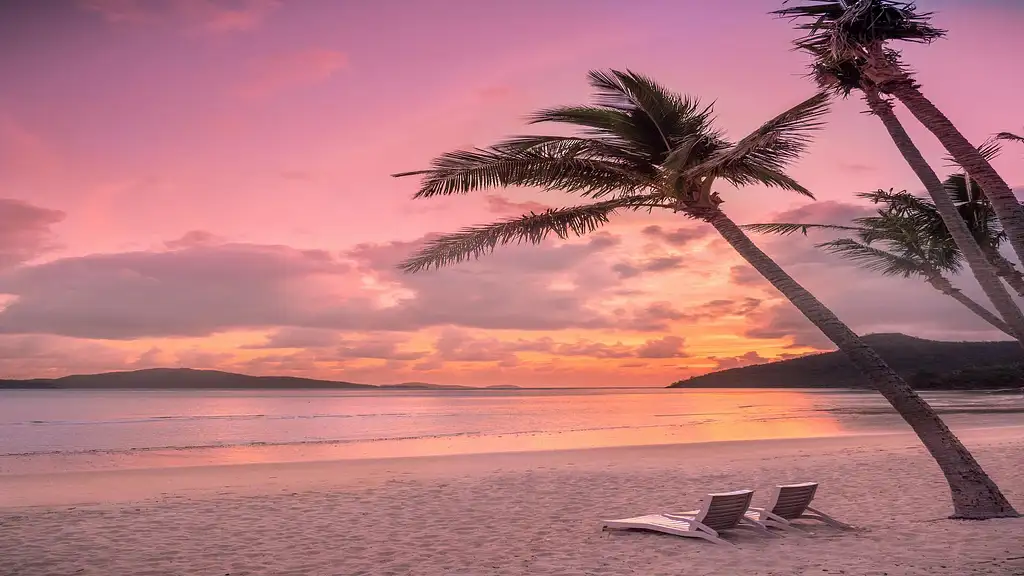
(839, 29)
(989, 150)
(787, 228)
(532, 228)
(1009, 136)
(552, 167)
(874, 259)
(772, 147)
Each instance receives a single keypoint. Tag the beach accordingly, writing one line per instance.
(513, 513)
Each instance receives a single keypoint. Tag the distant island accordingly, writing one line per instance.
(190, 379)
(925, 364)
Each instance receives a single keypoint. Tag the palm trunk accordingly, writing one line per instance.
(973, 254)
(1005, 204)
(1006, 270)
(943, 285)
(974, 494)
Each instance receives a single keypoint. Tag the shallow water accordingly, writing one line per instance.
(201, 427)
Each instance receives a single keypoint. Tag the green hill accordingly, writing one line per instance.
(924, 363)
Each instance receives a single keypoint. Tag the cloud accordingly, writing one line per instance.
(25, 231)
(24, 151)
(667, 347)
(298, 69)
(211, 16)
(38, 356)
(214, 16)
(747, 359)
(745, 275)
(199, 286)
(192, 291)
(195, 239)
(500, 205)
(385, 348)
(298, 337)
(656, 316)
(679, 237)
(659, 264)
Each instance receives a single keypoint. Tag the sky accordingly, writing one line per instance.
(205, 184)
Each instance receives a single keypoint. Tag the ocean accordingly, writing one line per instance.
(100, 429)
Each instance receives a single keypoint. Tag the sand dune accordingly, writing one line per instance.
(511, 514)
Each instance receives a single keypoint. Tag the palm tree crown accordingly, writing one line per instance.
(896, 241)
(638, 146)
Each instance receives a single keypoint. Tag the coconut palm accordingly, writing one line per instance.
(859, 32)
(642, 147)
(893, 242)
(843, 77)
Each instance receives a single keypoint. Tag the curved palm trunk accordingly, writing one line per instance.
(1005, 204)
(974, 494)
(1006, 270)
(973, 254)
(946, 287)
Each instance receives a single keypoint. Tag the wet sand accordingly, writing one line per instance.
(518, 513)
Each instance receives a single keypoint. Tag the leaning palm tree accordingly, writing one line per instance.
(859, 32)
(642, 147)
(894, 243)
(843, 78)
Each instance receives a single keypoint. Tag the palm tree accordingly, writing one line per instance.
(642, 147)
(908, 249)
(859, 31)
(977, 212)
(842, 77)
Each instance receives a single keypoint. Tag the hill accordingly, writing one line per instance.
(924, 363)
(189, 379)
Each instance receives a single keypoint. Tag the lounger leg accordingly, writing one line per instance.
(757, 527)
(818, 514)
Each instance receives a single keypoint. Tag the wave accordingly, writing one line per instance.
(329, 442)
(224, 417)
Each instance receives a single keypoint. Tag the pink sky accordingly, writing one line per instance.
(206, 183)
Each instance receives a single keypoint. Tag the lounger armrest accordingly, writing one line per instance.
(696, 525)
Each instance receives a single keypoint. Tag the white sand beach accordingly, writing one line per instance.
(505, 514)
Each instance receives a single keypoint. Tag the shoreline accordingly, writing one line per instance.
(514, 514)
(61, 487)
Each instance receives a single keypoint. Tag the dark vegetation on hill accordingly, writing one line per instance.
(926, 364)
(188, 379)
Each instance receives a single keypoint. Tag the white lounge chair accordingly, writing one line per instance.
(718, 512)
(792, 502)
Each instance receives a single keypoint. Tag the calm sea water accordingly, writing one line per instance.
(184, 427)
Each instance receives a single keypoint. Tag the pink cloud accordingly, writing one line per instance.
(502, 205)
(293, 70)
(214, 16)
(25, 231)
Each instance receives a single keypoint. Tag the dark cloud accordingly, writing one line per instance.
(25, 231)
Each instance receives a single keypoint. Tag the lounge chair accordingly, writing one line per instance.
(792, 502)
(718, 512)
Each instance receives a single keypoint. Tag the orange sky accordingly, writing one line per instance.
(205, 183)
